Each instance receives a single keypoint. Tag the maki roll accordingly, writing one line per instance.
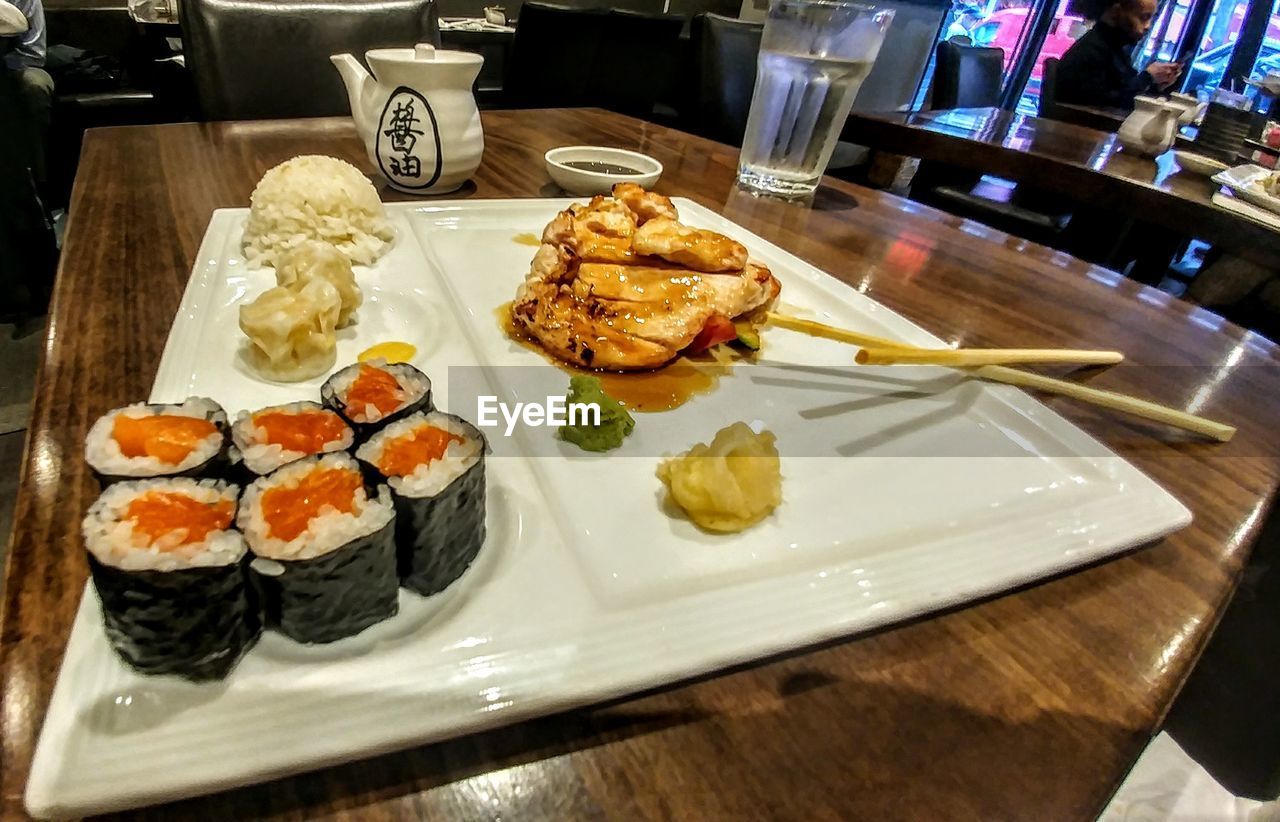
(275, 436)
(434, 464)
(140, 441)
(171, 574)
(371, 395)
(326, 549)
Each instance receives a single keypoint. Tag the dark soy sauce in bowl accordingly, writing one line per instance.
(600, 168)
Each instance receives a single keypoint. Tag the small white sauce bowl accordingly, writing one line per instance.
(579, 181)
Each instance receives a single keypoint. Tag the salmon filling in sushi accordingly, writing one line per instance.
(141, 440)
(164, 525)
(370, 395)
(280, 434)
(170, 574)
(434, 464)
(421, 455)
(326, 548)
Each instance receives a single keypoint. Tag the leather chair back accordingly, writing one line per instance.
(725, 52)
(620, 84)
(552, 55)
(254, 59)
(967, 76)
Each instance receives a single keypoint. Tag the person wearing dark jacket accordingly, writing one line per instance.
(1098, 68)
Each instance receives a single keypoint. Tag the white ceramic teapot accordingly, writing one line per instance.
(1191, 107)
(417, 115)
(1150, 129)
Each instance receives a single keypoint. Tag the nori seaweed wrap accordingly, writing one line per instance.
(172, 577)
(144, 441)
(372, 395)
(434, 464)
(326, 557)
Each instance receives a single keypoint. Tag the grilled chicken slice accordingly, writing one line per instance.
(600, 231)
(552, 263)
(646, 205)
(695, 248)
(638, 283)
(565, 326)
(618, 284)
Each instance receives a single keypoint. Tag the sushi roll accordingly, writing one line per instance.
(371, 395)
(275, 436)
(326, 556)
(141, 441)
(434, 464)
(170, 571)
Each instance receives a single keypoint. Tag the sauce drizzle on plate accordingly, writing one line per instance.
(646, 391)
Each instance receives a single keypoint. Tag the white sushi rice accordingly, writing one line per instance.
(430, 478)
(111, 537)
(413, 385)
(262, 457)
(103, 453)
(329, 530)
(314, 197)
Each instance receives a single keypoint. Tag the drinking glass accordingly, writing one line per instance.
(814, 55)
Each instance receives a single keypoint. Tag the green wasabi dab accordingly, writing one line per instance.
(615, 422)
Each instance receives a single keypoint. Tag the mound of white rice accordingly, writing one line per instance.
(313, 197)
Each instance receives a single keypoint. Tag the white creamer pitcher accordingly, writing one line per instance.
(1151, 128)
(417, 115)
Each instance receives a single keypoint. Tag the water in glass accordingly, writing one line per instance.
(813, 58)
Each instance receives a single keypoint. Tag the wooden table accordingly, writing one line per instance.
(1081, 163)
(1030, 705)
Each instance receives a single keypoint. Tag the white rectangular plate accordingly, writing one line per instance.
(1245, 182)
(906, 490)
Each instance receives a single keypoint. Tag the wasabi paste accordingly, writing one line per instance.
(615, 422)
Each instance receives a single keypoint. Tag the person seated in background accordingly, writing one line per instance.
(26, 103)
(24, 77)
(1098, 68)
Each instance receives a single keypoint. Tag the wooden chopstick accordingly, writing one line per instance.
(984, 356)
(1023, 379)
(881, 351)
(1108, 399)
(830, 332)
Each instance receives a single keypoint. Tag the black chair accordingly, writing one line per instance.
(253, 59)
(689, 9)
(970, 77)
(621, 84)
(568, 57)
(552, 55)
(967, 76)
(724, 58)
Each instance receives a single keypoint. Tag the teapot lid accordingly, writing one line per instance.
(421, 53)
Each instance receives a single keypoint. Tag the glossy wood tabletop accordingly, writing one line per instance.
(1084, 164)
(1030, 705)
